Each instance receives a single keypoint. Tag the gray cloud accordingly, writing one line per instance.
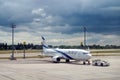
(96, 15)
(61, 16)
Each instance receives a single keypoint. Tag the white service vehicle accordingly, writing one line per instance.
(99, 62)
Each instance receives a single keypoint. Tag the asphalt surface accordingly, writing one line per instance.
(44, 69)
(20, 55)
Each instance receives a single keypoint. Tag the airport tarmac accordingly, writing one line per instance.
(20, 55)
(44, 69)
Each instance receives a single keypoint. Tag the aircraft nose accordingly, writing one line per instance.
(89, 56)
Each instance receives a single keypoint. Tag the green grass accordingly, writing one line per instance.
(106, 51)
(105, 54)
(95, 52)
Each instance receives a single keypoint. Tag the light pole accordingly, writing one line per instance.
(12, 56)
(24, 45)
(84, 36)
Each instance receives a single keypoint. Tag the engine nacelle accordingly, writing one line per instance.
(56, 59)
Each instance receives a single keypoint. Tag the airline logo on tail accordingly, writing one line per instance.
(44, 43)
(43, 38)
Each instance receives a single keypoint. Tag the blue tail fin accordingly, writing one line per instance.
(45, 46)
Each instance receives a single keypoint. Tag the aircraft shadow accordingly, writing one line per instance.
(62, 62)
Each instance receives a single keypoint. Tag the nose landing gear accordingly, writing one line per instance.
(88, 62)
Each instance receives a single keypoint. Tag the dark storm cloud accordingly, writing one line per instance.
(15, 11)
(94, 23)
(96, 15)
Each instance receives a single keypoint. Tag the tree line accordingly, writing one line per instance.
(20, 46)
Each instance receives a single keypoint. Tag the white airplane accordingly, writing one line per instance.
(67, 54)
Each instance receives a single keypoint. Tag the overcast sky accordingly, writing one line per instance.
(61, 22)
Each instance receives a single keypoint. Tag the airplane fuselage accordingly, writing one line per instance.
(76, 54)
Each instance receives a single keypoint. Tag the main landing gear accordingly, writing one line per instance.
(67, 60)
(88, 62)
(57, 60)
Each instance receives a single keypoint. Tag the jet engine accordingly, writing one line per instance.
(56, 59)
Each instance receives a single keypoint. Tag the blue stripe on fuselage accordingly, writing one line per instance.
(64, 54)
(67, 56)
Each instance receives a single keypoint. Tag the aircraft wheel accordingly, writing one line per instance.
(101, 64)
(84, 62)
(96, 64)
(67, 60)
(58, 59)
(88, 62)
